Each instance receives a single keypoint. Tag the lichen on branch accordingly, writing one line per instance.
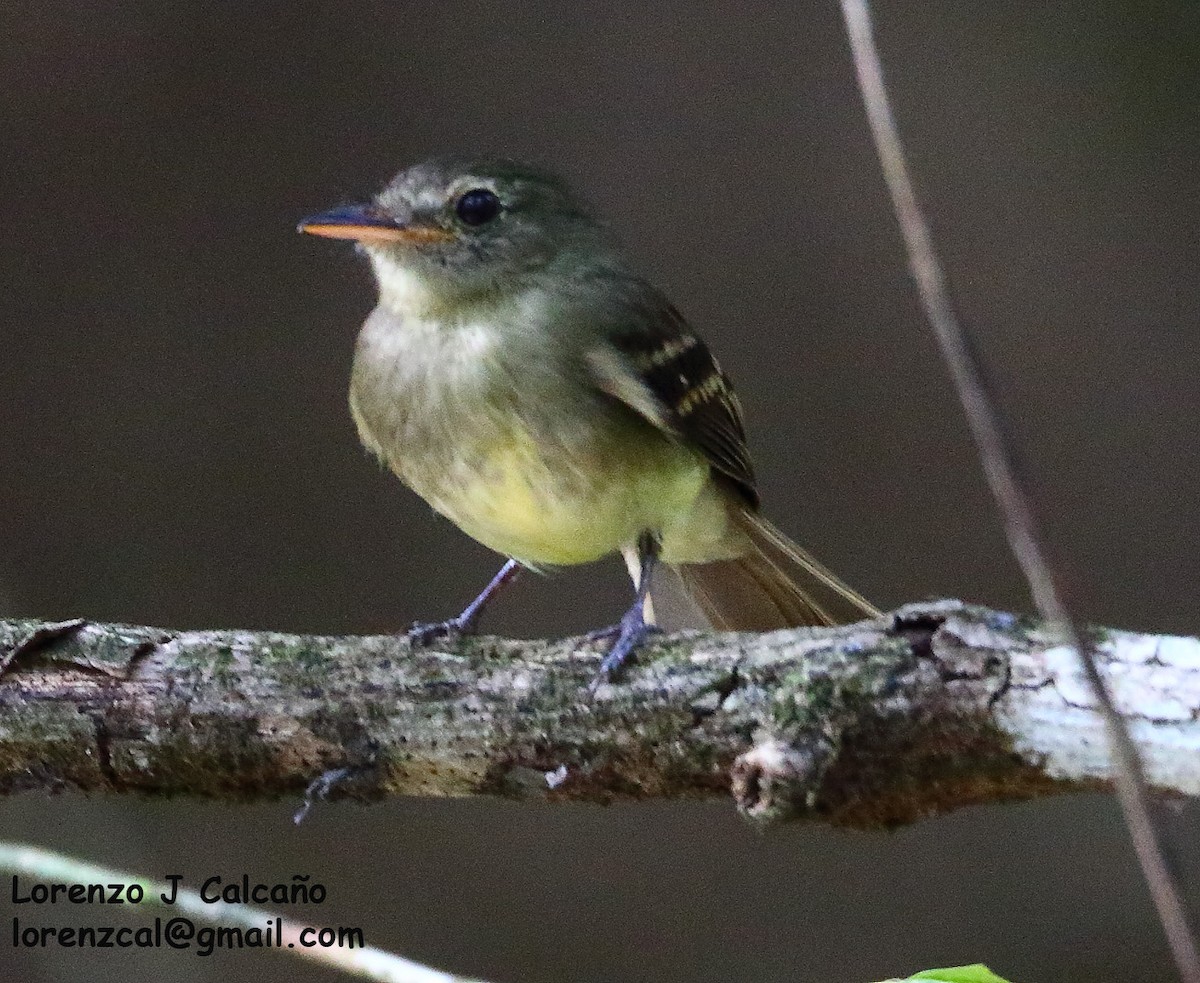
(932, 707)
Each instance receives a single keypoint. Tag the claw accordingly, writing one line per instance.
(631, 631)
(425, 632)
(603, 634)
(428, 632)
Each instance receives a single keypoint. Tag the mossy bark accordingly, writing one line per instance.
(936, 706)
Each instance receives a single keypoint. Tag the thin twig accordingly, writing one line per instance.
(994, 443)
(366, 962)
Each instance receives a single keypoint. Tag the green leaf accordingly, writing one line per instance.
(978, 973)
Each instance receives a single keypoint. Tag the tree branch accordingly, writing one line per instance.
(936, 706)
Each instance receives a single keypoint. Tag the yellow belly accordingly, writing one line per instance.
(562, 509)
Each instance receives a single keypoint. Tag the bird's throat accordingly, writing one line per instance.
(406, 290)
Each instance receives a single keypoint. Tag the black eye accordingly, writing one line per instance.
(477, 206)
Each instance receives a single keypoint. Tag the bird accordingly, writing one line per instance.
(528, 383)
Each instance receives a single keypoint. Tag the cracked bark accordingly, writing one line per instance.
(933, 707)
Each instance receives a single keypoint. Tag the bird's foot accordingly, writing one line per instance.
(425, 632)
(422, 633)
(627, 634)
(603, 634)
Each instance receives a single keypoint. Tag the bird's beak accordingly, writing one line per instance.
(369, 224)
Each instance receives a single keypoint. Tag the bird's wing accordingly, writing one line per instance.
(664, 372)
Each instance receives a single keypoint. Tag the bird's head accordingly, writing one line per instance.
(456, 227)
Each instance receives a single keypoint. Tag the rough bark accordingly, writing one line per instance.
(933, 707)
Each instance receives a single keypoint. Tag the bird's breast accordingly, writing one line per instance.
(426, 394)
(510, 445)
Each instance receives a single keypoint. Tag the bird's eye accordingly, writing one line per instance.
(477, 206)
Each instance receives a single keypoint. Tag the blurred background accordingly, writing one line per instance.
(176, 447)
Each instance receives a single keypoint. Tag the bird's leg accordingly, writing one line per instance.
(424, 632)
(632, 629)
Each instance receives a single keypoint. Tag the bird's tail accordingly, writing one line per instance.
(774, 584)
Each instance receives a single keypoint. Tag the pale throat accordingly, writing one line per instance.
(406, 291)
(427, 305)
(431, 325)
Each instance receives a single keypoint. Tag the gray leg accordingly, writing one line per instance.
(424, 632)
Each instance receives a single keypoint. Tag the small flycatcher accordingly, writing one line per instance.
(532, 388)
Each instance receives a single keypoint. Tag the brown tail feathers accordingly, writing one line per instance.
(776, 584)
